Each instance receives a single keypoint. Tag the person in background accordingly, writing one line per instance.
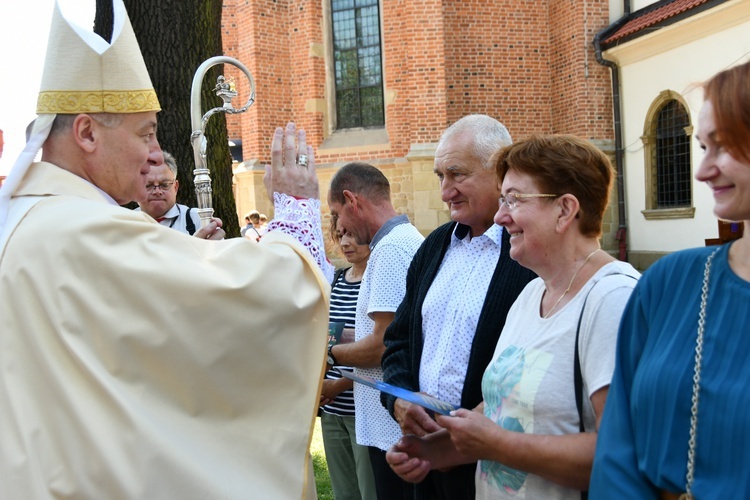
(677, 415)
(161, 198)
(360, 198)
(252, 230)
(263, 222)
(244, 228)
(545, 387)
(348, 463)
(460, 286)
(128, 366)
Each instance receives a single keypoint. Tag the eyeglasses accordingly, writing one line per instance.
(510, 200)
(163, 186)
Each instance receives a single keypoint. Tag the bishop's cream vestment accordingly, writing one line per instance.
(139, 362)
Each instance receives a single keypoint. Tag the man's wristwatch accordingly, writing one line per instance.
(331, 358)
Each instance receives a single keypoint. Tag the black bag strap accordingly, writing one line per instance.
(338, 274)
(577, 375)
(189, 224)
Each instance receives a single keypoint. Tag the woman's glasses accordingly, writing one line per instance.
(510, 200)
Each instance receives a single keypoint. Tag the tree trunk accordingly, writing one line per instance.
(175, 38)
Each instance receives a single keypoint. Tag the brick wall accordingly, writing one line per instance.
(498, 62)
(229, 39)
(581, 95)
(529, 63)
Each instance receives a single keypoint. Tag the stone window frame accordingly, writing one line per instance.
(344, 139)
(651, 212)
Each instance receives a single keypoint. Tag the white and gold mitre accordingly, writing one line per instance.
(85, 74)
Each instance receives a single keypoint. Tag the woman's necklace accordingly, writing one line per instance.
(571, 283)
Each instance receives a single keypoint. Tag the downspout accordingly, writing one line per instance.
(622, 230)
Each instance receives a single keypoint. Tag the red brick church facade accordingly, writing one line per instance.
(529, 63)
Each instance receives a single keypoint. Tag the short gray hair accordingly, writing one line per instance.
(65, 121)
(170, 162)
(489, 136)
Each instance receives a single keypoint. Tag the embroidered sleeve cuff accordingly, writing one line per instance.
(301, 219)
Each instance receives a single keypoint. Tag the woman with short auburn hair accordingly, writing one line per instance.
(545, 388)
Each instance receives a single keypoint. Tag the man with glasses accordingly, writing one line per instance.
(161, 198)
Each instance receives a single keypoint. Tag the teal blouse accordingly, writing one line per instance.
(642, 445)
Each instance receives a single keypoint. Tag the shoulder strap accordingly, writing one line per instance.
(577, 375)
(189, 224)
(338, 274)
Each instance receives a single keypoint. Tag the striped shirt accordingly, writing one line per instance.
(343, 309)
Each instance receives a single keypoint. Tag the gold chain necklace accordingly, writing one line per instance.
(571, 283)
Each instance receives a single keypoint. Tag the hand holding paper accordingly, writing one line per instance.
(432, 404)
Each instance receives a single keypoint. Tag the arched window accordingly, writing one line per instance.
(672, 157)
(666, 139)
